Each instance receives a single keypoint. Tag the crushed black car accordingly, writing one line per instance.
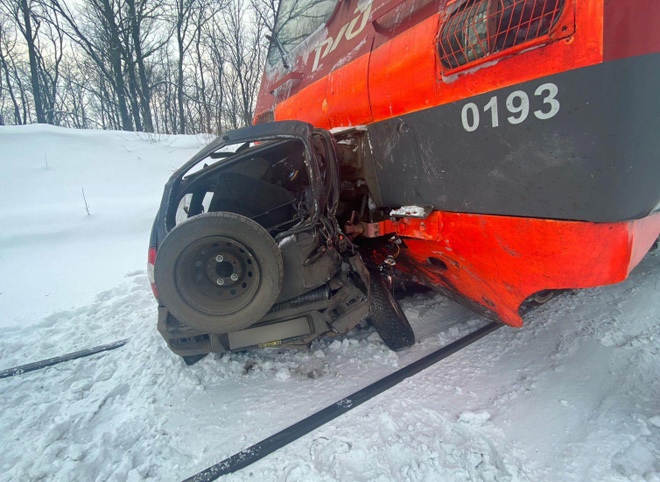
(246, 249)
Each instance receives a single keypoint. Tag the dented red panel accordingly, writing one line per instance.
(347, 96)
(497, 261)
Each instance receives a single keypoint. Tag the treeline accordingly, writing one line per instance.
(168, 66)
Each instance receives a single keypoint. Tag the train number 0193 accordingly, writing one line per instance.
(517, 106)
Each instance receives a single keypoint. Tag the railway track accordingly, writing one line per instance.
(280, 439)
(270, 444)
(49, 362)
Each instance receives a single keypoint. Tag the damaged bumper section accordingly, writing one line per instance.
(246, 250)
(292, 323)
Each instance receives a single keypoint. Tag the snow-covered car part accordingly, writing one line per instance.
(219, 271)
(386, 315)
(246, 250)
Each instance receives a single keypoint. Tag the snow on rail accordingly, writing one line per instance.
(267, 446)
(49, 362)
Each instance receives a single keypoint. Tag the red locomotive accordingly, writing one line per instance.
(528, 128)
(495, 150)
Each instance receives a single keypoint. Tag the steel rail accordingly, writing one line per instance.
(268, 445)
(49, 362)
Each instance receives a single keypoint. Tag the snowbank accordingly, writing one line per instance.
(53, 255)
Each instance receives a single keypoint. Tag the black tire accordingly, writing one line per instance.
(387, 317)
(219, 272)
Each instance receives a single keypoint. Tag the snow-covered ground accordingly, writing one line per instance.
(573, 396)
(54, 256)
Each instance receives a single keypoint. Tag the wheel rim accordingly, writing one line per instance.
(217, 275)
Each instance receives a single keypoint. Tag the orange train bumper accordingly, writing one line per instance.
(496, 262)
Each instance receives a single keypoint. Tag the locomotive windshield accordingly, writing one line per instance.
(297, 20)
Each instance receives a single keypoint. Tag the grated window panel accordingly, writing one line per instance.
(480, 28)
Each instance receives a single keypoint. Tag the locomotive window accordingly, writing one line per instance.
(297, 20)
(480, 28)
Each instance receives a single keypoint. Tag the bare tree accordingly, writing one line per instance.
(9, 77)
(141, 12)
(24, 16)
(99, 36)
(243, 35)
(50, 54)
(265, 11)
(43, 44)
(76, 93)
(179, 66)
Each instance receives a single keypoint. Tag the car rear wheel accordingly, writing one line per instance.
(219, 272)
